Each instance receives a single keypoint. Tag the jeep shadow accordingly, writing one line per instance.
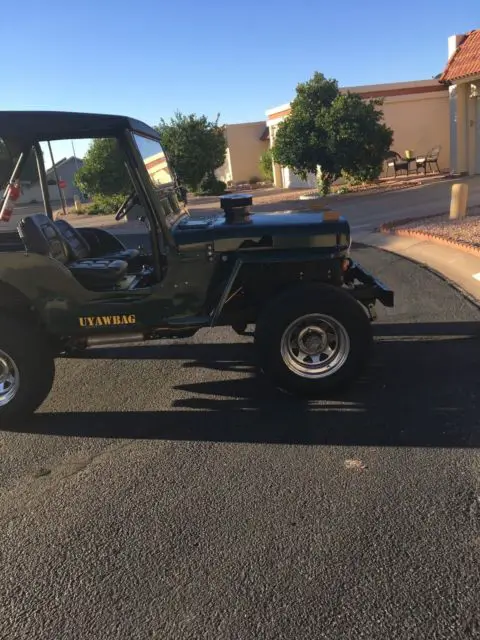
(395, 403)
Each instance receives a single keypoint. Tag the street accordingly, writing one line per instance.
(172, 494)
(368, 211)
(364, 212)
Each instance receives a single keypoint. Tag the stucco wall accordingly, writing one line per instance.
(420, 122)
(245, 149)
(32, 194)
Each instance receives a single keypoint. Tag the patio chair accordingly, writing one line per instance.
(396, 161)
(431, 158)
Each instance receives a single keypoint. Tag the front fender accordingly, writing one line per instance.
(248, 258)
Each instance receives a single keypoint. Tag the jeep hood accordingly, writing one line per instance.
(276, 230)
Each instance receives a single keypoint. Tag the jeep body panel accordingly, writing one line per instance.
(271, 230)
(208, 256)
(61, 301)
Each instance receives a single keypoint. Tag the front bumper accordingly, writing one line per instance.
(365, 287)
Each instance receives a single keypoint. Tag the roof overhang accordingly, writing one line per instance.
(464, 62)
(392, 90)
(462, 80)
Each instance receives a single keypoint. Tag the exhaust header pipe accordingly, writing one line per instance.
(122, 338)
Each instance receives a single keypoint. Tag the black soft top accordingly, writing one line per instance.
(59, 125)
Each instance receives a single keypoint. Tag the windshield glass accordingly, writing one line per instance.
(161, 176)
(155, 161)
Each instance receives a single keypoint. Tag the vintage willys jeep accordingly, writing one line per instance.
(65, 289)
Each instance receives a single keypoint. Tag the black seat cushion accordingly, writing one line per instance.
(126, 254)
(81, 249)
(40, 235)
(98, 274)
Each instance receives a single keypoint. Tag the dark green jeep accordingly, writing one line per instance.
(65, 289)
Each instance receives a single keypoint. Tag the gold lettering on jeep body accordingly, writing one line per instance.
(106, 321)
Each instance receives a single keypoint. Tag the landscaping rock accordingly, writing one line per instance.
(465, 231)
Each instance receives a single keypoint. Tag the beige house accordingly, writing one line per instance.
(462, 78)
(245, 144)
(418, 113)
(157, 168)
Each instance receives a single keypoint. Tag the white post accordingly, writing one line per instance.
(459, 201)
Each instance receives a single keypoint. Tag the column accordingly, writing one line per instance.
(462, 128)
(452, 97)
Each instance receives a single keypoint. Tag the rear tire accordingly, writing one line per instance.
(27, 369)
(313, 340)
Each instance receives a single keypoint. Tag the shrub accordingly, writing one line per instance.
(210, 186)
(254, 180)
(104, 205)
(266, 166)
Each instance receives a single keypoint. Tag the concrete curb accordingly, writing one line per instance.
(391, 229)
(381, 191)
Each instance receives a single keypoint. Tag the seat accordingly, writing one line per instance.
(395, 160)
(431, 158)
(40, 235)
(81, 249)
(98, 275)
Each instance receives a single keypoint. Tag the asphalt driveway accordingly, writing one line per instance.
(172, 494)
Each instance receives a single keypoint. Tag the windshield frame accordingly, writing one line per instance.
(175, 210)
(143, 182)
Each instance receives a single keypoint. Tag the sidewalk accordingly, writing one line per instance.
(459, 268)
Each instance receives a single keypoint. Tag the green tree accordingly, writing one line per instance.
(103, 172)
(195, 146)
(338, 133)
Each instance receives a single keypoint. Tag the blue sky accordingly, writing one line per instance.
(148, 58)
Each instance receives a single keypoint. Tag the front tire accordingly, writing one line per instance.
(27, 369)
(313, 339)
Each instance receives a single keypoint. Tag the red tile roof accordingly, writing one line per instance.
(465, 61)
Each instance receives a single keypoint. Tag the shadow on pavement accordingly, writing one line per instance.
(422, 390)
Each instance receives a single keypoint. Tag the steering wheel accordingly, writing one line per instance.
(125, 207)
